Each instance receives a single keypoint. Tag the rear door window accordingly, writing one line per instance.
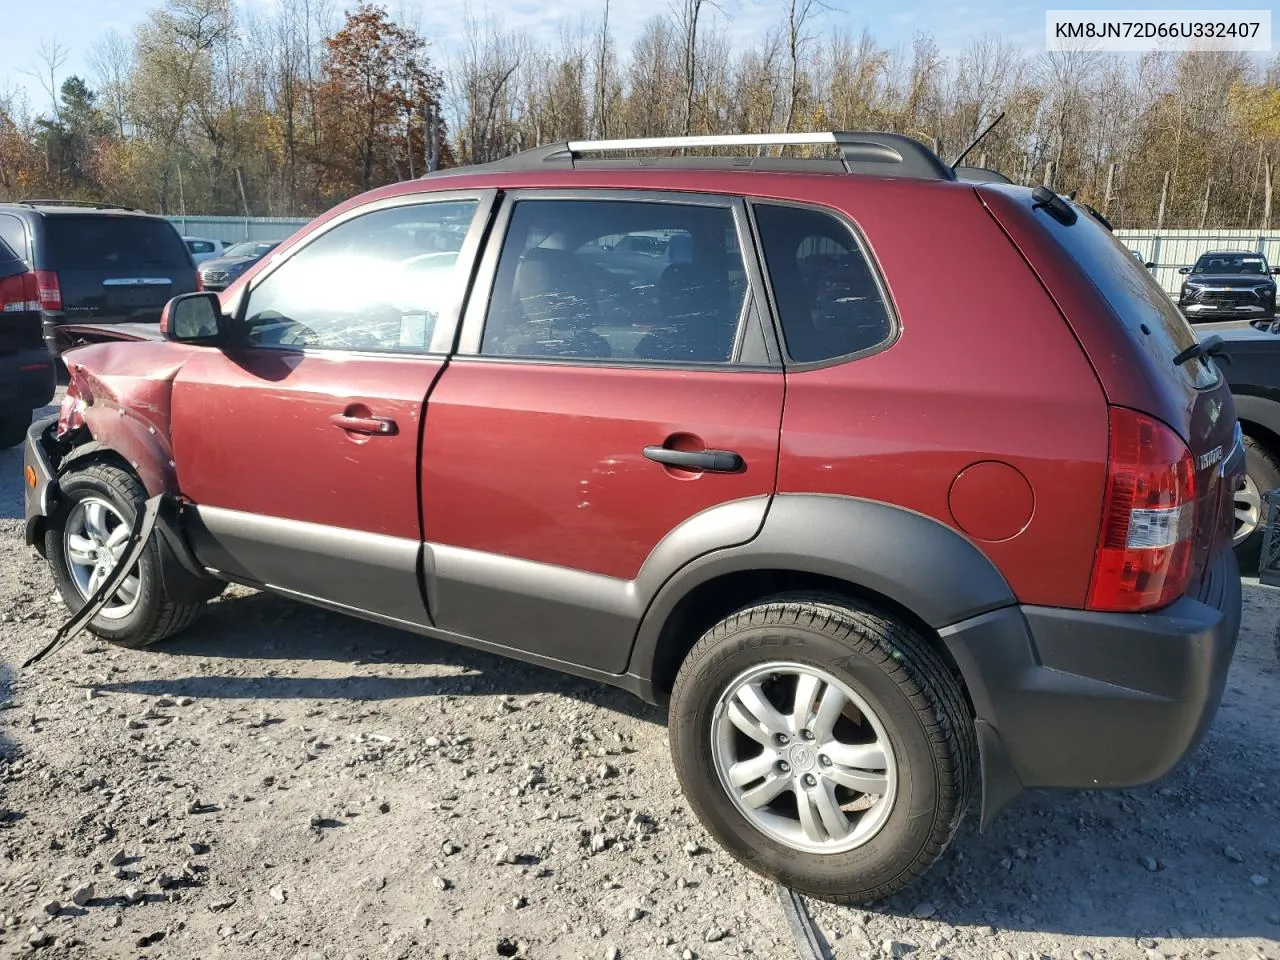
(119, 246)
(1141, 304)
(827, 298)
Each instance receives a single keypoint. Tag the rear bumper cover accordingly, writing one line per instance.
(1083, 700)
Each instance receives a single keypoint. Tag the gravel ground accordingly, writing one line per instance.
(289, 783)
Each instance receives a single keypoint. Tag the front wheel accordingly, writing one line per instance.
(825, 746)
(85, 537)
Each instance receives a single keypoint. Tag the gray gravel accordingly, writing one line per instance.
(289, 783)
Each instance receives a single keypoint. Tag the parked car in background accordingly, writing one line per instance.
(220, 272)
(26, 369)
(1228, 285)
(983, 539)
(203, 248)
(1254, 377)
(96, 263)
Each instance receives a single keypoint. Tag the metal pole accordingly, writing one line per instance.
(244, 200)
(1204, 204)
(1111, 179)
(1164, 196)
(1266, 196)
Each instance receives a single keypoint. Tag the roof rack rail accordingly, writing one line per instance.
(885, 154)
(93, 204)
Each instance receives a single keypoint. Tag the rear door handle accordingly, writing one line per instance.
(713, 461)
(375, 426)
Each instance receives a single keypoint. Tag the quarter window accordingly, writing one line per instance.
(827, 298)
(13, 233)
(617, 280)
(378, 282)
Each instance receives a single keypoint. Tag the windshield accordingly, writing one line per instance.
(248, 249)
(1248, 264)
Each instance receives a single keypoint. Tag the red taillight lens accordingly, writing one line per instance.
(18, 293)
(47, 290)
(1148, 519)
(199, 282)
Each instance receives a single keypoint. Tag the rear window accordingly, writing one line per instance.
(116, 245)
(1141, 304)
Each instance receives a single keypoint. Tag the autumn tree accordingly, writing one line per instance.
(377, 84)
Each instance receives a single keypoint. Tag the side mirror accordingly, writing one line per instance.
(1150, 265)
(192, 318)
(1184, 269)
(1275, 270)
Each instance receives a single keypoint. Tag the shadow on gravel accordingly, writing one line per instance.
(1181, 855)
(263, 627)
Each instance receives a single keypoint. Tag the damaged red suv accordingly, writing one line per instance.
(701, 428)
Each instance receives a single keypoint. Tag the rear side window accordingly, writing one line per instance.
(1135, 297)
(114, 245)
(827, 298)
(200, 246)
(14, 235)
(620, 280)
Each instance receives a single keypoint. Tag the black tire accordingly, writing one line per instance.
(156, 616)
(1263, 469)
(919, 702)
(13, 427)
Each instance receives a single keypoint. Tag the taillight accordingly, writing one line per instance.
(48, 292)
(199, 282)
(18, 293)
(1148, 517)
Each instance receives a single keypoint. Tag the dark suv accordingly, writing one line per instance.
(97, 263)
(1228, 285)
(870, 541)
(26, 369)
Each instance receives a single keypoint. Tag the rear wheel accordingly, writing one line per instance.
(1262, 474)
(84, 539)
(13, 427)
(826, 747)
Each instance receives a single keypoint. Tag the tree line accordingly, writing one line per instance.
(211, 108)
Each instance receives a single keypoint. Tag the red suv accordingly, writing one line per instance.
(733, 433)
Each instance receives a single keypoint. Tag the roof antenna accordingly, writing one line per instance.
(977, 140)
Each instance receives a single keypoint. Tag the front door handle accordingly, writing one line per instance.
(375, 426)
(712, 461)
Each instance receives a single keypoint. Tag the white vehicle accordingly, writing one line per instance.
(202, 248)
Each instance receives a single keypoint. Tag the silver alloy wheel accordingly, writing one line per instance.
(1248, 507)
(93, 540)
(820, 777)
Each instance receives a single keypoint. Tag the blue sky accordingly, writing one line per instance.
(76, 24)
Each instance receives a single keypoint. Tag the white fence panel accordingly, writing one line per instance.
(237, 229)
(1171, 249)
